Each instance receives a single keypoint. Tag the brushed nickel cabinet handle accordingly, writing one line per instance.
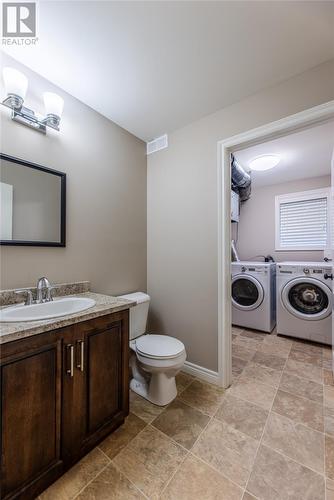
(80, 365)
(70, 371)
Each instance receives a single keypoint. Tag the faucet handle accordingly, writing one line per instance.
(49, 291)
(29, 298)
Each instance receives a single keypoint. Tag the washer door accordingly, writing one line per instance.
(307, 298)
(247, 292)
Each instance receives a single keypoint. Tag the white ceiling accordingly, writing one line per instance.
(303, 155)
(154, 66)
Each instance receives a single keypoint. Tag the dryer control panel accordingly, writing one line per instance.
(253, 267)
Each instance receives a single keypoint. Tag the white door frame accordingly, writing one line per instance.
(305, 119)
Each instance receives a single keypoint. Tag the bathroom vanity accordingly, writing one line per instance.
(64, 388)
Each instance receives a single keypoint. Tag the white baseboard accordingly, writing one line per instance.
(201, 373)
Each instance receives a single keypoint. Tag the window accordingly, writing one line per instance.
(302, 220)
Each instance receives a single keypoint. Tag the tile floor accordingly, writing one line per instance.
(269, 436)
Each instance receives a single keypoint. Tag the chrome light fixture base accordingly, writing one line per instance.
(23, 115)
(52, 121)
(13, 101)
(27, 117)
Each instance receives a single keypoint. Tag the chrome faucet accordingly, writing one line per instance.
(43, 284)
(29, 298)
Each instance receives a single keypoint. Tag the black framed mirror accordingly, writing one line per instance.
(32, 204)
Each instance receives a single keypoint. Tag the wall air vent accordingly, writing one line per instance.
(157, 144)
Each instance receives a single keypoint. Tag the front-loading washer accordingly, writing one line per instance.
(304, 300)
(253, 295)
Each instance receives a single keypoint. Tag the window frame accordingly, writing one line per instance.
(301, 196)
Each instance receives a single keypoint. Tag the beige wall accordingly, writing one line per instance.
(106, 198)
(182, 210)
(256, 234)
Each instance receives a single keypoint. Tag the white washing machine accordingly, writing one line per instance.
(253, 295)
(304, 300)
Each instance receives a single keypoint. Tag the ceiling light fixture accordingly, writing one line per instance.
(16, 85)
(264, 162)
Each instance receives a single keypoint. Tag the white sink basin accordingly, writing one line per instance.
(47, 310)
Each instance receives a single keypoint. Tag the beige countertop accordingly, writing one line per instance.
(105, 304)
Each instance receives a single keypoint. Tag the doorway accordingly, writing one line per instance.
(298, 122)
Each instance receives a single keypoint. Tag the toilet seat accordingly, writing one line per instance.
(159, 347)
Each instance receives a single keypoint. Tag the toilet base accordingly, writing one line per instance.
(139, 388)
(159, 390)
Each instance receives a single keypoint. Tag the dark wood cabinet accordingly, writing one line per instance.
(30, 416)
(62, 392)
(74, 383)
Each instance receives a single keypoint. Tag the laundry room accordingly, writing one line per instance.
(281, 247)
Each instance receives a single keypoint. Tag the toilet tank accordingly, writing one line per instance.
(138, 313)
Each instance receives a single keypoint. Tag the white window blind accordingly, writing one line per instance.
(302, 220)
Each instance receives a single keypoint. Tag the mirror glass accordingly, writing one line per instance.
(32, 204)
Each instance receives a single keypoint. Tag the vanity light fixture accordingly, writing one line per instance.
(264, 162)
(16, 84)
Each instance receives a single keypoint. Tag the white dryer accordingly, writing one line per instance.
(304, 300)
(253, 295)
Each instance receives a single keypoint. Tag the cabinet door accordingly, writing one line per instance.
(107, 348)
(30, 420)
(74, 398)
(95, 382)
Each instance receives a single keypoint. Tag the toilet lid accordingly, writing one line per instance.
(159, 346)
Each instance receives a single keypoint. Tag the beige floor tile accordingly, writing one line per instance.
(243, 416)
(263, 374)
(110, 485)
(276, 477)
(253, 391)
(226, 449)
(329, 456)
(116, 441)
(327, 358)
(304, 370)
(182, 381)
(71, 483)
(197, 481)
(275, 362)
(327, 353)
(182, 423)
(327, 364)
(305, 346)
(328, 377)
(329, 396)
(275, 348)
(241, 352)
(329, 420)
(250, 334)
(248, 343)
(202, 396)
(305, 357)
(248, 496)
(329, 489)
(143, 408)
(302, 387)
(238, 366)
(236, 330)
(295, 440)
(300, 410)
(149, 461)
(275, 339)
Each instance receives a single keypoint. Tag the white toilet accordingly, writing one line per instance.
(155, 359)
